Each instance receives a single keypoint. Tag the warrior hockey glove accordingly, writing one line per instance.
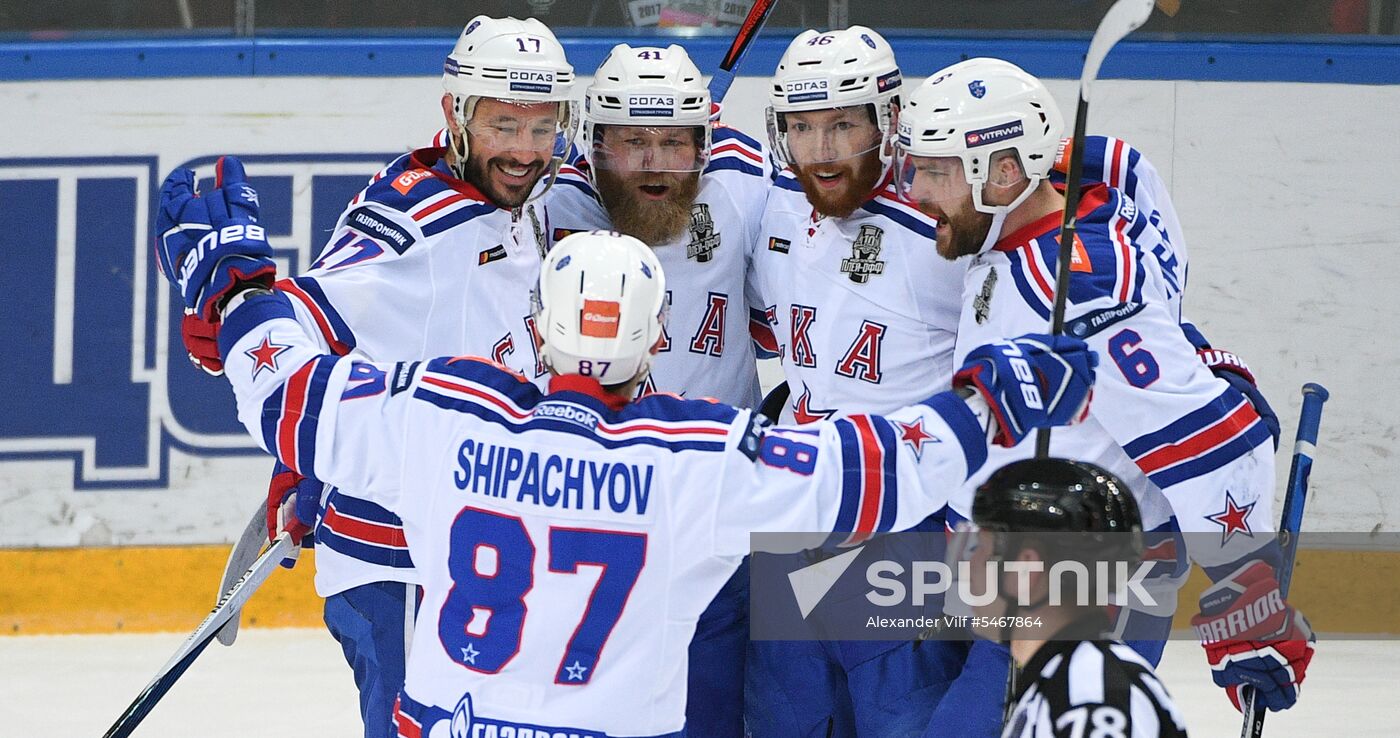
(1035, 381)
(293, 504)
(1254, 638)
(211, 246)
(1232, 369)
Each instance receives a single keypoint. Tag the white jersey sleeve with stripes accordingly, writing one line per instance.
(1193, 436)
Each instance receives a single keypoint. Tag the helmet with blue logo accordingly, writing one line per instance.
(833, 69)
(972, 110)
(599, 307)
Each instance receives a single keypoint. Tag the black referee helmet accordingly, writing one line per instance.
(1061, 496)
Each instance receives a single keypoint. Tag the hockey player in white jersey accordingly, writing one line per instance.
(976, 142)
(436, 256)
(865, 314)
(568, 541)
(655, 166)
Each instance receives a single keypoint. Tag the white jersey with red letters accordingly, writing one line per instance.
(420, 264)
(863, 308)
(568, 542)
(706, 349)
(1157, 411)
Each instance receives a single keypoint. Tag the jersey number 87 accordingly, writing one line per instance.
(492, 562)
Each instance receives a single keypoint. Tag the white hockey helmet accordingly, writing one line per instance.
(600, 306)
(510, 60)
(647, 87)
(834, 69)
(972, 110)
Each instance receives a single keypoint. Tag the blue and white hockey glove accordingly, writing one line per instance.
(1231, 368)
(211, 246)
(1035, 381)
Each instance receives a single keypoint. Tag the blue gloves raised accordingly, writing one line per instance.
(211, 246)
(1035, 381)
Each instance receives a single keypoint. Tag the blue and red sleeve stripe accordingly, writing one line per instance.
(332, 326)
(1200, 442)
(869, 480)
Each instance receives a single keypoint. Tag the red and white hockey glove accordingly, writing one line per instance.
(293, 502)
(1253, 637)
(201, 338)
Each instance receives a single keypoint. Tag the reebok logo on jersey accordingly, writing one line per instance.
(568, 412)
(995, 134)
(495, 253)
(405, 182)
(599, 318)
(366, 221)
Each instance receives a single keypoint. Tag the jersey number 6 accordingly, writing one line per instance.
(1138, 367)
(492, 561)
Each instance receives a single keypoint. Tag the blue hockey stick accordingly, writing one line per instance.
(1314, 395)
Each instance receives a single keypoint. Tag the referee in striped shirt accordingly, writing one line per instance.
(1070, 680)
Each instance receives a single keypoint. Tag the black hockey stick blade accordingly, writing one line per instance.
(743, 38)
(244, 553)
(231, 603)
(1122, 19)
(772, 405)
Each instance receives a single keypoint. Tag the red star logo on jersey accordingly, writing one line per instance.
(915, 435)
(265, 355)
(802, 410)
(1233, 519)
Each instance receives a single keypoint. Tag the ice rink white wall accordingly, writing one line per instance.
(1287, 193)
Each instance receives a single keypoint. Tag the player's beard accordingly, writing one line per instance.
(483, 175)
(961, 233)
(653, 221)
(858, 178)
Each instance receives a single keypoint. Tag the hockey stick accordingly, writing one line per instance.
(772, 405)
(244, 553)
(1314, 395)
(743, 38)
(231, 602)
(1122, 19)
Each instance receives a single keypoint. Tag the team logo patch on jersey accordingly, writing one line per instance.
(495, 253)
(703, 238)
(599, 318)
(982, 304)
(1234, 519)
(265, 355)
(406, 181)
(915, 435)
(977, 89)
(780, 245)
(865, 253)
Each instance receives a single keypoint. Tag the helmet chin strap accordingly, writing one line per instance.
(998, 212)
